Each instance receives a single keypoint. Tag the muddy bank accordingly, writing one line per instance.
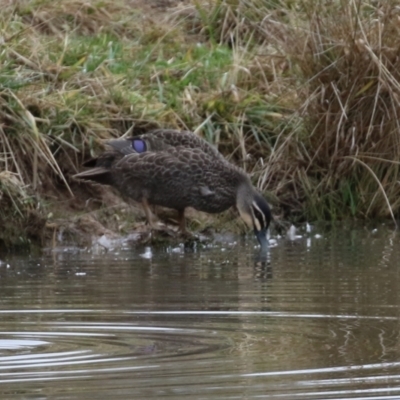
(96, 216)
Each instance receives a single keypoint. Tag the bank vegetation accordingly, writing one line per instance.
(303, 94)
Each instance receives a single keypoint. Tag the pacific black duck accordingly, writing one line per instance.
(179, 170)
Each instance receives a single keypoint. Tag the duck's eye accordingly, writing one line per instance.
(139, 145)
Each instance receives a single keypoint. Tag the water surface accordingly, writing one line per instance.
(320, 321)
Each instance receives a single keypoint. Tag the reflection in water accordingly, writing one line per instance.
(319, 320)
(262, 270)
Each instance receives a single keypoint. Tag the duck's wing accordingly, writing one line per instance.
(179, 169)
(169, 137)
(163, 140)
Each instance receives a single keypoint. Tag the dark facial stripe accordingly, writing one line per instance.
(259, 216)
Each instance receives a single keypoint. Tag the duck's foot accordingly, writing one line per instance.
(157, 232)
(192, 240)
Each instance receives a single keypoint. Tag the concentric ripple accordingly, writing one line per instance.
(59, 350)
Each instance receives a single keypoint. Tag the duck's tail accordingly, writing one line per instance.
(98, 174)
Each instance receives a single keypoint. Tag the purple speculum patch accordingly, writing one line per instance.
(139, 145)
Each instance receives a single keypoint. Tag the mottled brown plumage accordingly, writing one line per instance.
(178, 170)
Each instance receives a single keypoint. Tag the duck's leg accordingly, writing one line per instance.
(149, 214)
(182, 223)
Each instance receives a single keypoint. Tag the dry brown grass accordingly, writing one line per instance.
(349, 159)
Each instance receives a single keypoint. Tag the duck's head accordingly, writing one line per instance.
(255, 212)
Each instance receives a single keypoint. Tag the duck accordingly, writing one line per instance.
(177, 170)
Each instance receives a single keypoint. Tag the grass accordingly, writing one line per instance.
(302, 94)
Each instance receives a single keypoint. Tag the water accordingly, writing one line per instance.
(321, 321)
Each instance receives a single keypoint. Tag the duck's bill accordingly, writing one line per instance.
(262, 239)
